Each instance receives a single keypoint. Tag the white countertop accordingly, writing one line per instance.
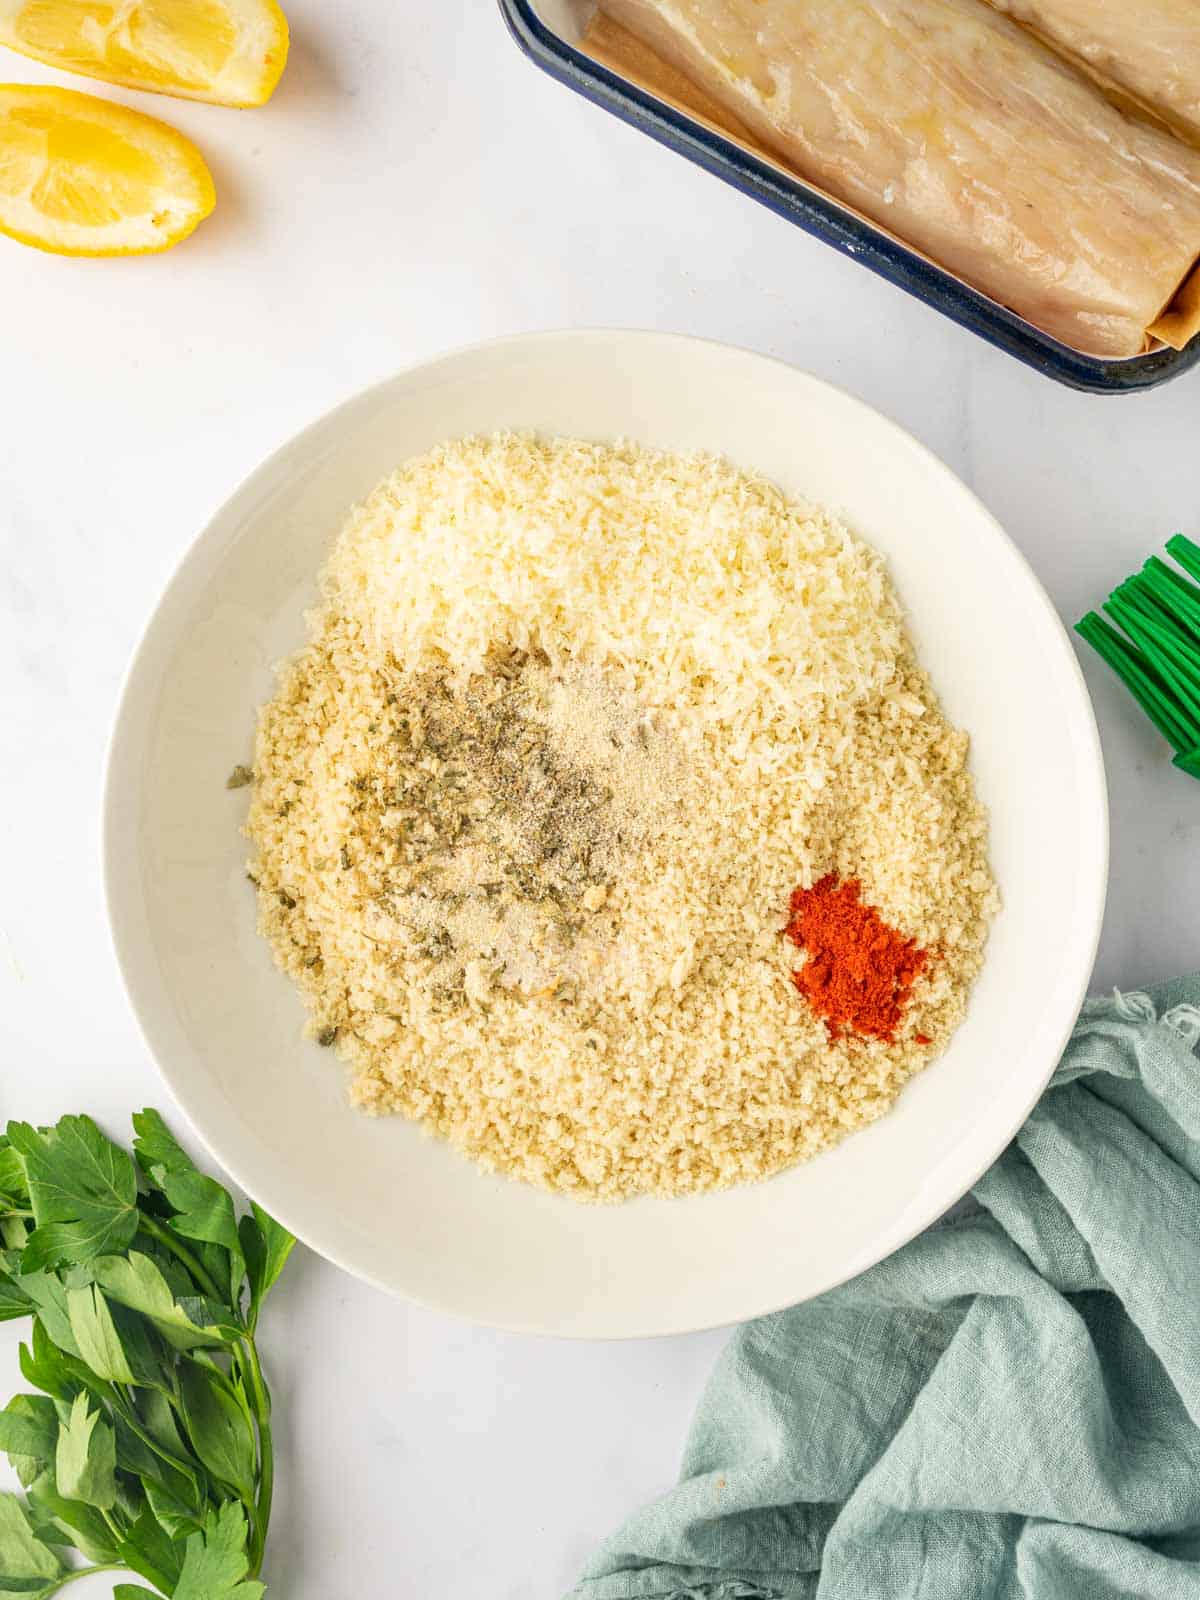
(415, 185)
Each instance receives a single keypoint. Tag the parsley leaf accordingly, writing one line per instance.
(216, 1563)
(173, 1514)
(203, 1209)
(85, 1463)
(96, 1337)
(152, 1554)
(216, 1424)
(160, 1428)
(24, 1558)
(56, 1372)
(134, 1280)
(82, 1525)
(266, 1247)
(49, 1298)
(28, 1434)
(14, 1302)
(83, 1190)
(13, 1189)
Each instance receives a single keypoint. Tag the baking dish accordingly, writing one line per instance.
(549, 32)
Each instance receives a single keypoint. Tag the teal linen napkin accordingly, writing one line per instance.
(1007, 1407)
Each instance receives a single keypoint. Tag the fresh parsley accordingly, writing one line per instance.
(147, 1447)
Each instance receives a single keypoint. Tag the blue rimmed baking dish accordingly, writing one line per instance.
(543, 30)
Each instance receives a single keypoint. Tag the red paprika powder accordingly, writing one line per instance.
(859, 972)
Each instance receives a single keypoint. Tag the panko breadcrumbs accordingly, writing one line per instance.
(573, 722)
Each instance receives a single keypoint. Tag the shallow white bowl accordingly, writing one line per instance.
(401, 1210)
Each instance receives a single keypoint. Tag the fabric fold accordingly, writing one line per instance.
(1008, 1407)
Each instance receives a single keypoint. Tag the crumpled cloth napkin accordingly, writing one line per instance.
(1007, 1407)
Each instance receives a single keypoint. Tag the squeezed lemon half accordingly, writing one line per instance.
(84, 177)
(231, 52)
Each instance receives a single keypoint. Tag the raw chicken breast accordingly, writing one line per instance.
(961, 134)
(1150, 48)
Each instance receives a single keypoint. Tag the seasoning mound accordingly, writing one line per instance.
(859, 973)
(531, 808)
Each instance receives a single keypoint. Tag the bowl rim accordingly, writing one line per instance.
(1087, 919)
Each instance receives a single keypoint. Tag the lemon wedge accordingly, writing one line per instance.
(83, 177)
(231, 52)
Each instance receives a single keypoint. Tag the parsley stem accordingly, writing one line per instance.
(190, 1260)
(261, 1400)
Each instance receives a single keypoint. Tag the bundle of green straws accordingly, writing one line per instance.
(1157, 651)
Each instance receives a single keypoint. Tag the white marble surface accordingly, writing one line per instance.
(415, 185)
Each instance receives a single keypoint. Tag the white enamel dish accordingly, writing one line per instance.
(403, 1211)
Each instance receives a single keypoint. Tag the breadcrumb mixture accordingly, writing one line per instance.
(573, 723)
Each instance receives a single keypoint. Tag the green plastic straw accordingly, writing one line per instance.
(1155, 647)
(1177, 597)
(1162, 649)
(1185, 552)
(1108, 643)
(1151, 623)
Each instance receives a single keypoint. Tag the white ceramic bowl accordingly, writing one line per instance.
(401, 1210)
